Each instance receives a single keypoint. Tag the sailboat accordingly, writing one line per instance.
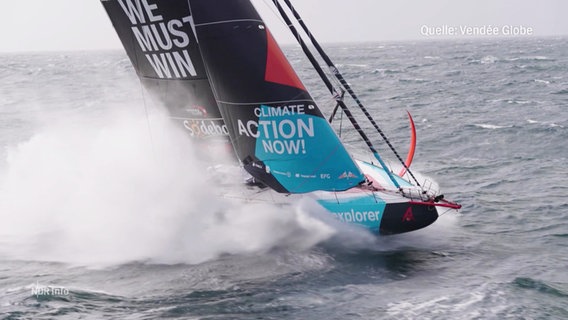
(221, 74)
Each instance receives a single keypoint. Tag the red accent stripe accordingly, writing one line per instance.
(278, 69)
(437, 204)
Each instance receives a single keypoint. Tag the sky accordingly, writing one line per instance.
(61, 25)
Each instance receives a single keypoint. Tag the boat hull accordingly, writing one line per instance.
(406, 217)
(376, 206)
(381, 213)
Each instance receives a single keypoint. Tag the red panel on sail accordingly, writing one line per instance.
(278, 69)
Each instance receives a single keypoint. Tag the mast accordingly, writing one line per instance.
(334, 92)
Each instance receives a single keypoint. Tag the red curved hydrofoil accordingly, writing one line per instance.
(412, 148)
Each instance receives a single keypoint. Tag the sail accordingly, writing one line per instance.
(276, 128)
(159, 39)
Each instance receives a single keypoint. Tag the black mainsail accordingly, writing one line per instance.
(278, 132)
(160, 41)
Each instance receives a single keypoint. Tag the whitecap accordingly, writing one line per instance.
(417, 80)
(491, 126)
(356, 65)
(530, 58)
(488, 59)
(519, 101)
(551, 124)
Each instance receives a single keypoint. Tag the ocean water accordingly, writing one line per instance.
(105, 212)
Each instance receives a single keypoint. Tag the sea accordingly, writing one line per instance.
(105, 212)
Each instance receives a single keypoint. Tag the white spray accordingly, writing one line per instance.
(103, 193)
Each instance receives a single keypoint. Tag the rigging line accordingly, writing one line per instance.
(345, 84)
(334, 92)
(333, 112)
(335, 108)
(148, 119)
(228, 21)
(447, 210)
(341, 124)
(266, 2)
(152, 144)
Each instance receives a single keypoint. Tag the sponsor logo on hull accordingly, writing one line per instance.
(366, 210)
(358, 216)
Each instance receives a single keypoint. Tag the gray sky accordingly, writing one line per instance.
(38, 25)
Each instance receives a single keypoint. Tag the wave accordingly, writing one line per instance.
(548, 124)
(539, 286)
(352, 65)
(453, 73)
(519, 101)
(515, 101)
(105, 194)
(461, 304)
(387, 71)
(541, 81)
(414, 80)
(563, 91)
(420, 65)
(488, 60)
(491, 126)
(530, 58)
